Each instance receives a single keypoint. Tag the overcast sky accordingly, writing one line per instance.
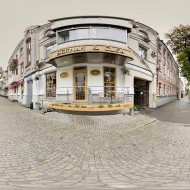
(17, 15)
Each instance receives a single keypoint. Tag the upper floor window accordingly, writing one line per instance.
(164, 53)
(21, 51)
(28, 51)
(48, 48)
(143, 52)
(22, 68)
(159, 48)
(92, 32)
(16, 71)
(160, 88)
(28, 44)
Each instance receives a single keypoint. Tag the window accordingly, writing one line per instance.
(28, 44)
(16, 71)
(164, 90)
(21, 52)
(118, 35)
(51, 84)
(143, 52)
(28, 51)
(22, 68)
(164, 53)
(160, 87)
(82, 33)
(92, 32)
(159, 48)
(164, 69)
(48, 48)
(109, 82)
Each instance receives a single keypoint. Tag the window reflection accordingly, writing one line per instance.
(92, 32)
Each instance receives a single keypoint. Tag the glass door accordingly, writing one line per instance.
(80, 89)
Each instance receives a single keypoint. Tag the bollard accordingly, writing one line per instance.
(131, 112)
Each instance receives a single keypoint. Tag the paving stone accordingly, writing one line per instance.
(65, 151)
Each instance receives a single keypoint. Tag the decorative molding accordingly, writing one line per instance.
(95, 72)
(64, 75)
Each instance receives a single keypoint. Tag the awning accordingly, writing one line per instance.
(21, 81)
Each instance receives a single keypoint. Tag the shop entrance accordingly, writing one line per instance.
(80, 81)
(141, 97)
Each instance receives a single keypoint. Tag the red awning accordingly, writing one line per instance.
(21, 81)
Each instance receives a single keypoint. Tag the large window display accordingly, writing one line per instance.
(51, 84)
(92, 32)
(109, 82)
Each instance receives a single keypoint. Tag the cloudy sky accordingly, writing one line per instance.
(17, 15)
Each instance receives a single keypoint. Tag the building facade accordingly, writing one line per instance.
(92, 59)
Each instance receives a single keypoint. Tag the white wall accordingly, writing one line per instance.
(64, 83)
(95, 82)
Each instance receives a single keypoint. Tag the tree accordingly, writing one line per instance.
(179, 42)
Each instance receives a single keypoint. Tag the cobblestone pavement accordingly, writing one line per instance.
(64, 151)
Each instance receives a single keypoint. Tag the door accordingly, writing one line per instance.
(80, 88)
(29, 91)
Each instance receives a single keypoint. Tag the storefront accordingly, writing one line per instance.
(94, 75)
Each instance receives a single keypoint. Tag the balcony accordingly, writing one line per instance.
(13, 79)
(13, 64)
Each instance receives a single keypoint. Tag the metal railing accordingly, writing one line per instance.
(95, 94)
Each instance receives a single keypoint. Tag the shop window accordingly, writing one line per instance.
(109, 82)
(51, 84)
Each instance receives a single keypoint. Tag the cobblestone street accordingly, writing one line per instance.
(64, 151)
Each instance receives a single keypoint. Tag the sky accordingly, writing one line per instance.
(17, 15)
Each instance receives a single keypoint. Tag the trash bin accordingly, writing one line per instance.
(31, 105)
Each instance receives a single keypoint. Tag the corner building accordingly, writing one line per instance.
(109, 56)
(93, 59)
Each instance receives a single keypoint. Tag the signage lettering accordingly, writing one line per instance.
(91, 48)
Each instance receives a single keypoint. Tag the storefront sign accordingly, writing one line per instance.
(91, 48)
(64, 75)
(95, 72)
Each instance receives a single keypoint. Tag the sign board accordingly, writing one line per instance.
(91, 48)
